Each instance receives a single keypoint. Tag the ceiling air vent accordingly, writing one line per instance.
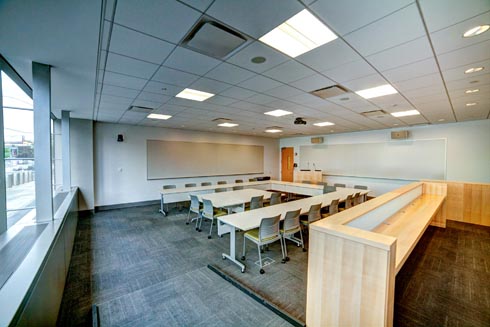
(330, 91)
(213, 39)
(145, 110)
(374, 114)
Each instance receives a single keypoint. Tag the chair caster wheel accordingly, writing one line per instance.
(261, 251)
(243, 270)
(187, 223)
(209, 237)
(223, 257)
(287, 258)
(283, 261)
(262, 271)
(242, 258)
(199, 230)
(304, 250)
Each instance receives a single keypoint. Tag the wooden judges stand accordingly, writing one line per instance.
(313, 176)
(355, 255)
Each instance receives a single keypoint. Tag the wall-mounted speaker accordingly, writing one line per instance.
(317, 140)
(399, 135)
(120, 138)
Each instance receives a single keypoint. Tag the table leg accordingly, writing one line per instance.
(231, 256)
(161, 205)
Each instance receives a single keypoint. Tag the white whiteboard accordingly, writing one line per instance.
(420, 159)
(177, 159)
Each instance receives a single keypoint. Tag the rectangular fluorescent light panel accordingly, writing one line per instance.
(227, 125)
(158, 116)
(195, 95)
(325, 123)
(299, 34)
(377, 91)
(273, 130)
(278, 113)
(405, 113)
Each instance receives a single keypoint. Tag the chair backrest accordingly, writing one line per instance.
(275, 198)
(252, 179)
(356, 199)
(339, 185)
(194, 203)
(306, 182)
(221, 182)
(190, 185)
(360, 187)
(206, 183)
(314, 213)
(269, 227)
(208, 210)
(333, 208)
(328, 189)
(221, 189)
(167, 187)
(348, 201)
(236, 188)
(257, 202)
(291, 220)
(238, 180)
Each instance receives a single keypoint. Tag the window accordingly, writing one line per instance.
(18, 129)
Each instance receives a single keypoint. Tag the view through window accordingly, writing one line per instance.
(18, 123)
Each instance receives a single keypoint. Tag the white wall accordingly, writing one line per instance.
(468, 151)
(120, 168)
(82, 161)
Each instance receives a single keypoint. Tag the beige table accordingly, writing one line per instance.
(251, 219)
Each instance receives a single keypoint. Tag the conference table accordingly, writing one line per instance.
(182, 193)
(233, 200)
(248, 220)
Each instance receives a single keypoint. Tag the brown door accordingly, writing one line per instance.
(287, 164)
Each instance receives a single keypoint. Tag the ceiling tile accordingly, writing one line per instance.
(404, 54)
(209, 85)
(167, 20)
(140, 46)
(410, 71)
(348, 15)
(284, 92)
(419, 82)
(400, 27)
(105, 98)
(158, 98)
(174, 77)
(200, 5)
(312, 83)
(124, 80)
(162, 88)
(237, 93)
(365, 82)
(228, 73)
(244, 56)
(464, 56)
(190, 61)
(350, 71)
(458, 72)
(289, 71)
(254, 17)
(329, 55)
(442, 13)
(259, 84)
(124, 65)
(119, 91)
(147, 104)
(260, 99)
(221, 100)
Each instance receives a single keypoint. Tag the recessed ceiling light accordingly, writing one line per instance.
(258, 60)
(299, 34)
(473, 70)
(278, 113)
(227, 124)
(477, 30)
(471, 91)
(274, 129)
(377, 91)
(405, 113)
(195, 95)
(325, 123)
(471, 104)
(158, 116)
(442, 119)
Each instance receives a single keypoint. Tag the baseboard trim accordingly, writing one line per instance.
(126, 205)
(281, 313)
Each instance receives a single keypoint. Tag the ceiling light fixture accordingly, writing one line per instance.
(477, 30)
(278, 113)
(274, 129)
(325, 123)
(377, 91)
(227, 124)
(442, 119)
(299, 34)
(471, 104)
(405, 113)
(158, 116)
(471, 91)
(195, 95)
(473, 70)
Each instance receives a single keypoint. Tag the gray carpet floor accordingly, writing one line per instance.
(143, 269)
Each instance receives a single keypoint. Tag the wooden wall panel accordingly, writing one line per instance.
(439, 219)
